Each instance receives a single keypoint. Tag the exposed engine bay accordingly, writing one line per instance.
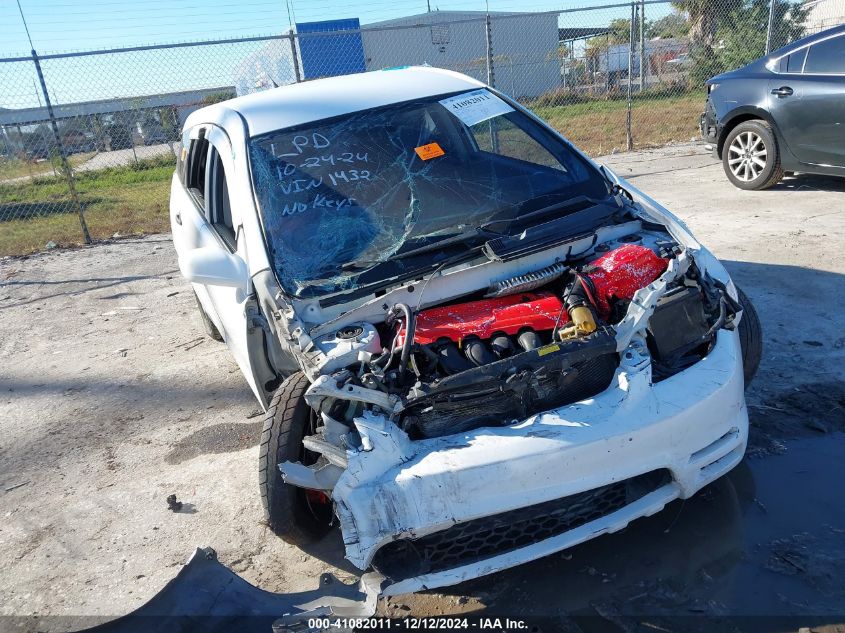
(523, 345)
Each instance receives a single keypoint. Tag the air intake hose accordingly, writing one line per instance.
(410, 326)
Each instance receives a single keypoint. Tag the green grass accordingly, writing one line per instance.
(17, 168)
(598, 127)
(125, 200)
(134, 199)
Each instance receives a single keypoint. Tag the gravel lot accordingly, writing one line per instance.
(112, 399)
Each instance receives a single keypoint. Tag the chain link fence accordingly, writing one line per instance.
(88, 140)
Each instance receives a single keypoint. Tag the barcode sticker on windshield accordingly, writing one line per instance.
(476, 106)
(432, 150)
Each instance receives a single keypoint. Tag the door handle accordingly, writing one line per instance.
(178, 218)
(783, 91)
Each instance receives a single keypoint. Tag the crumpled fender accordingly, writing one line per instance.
(208, 597)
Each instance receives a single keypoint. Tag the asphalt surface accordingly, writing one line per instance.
(112, 399)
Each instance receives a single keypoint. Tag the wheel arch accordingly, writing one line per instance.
(741, 115)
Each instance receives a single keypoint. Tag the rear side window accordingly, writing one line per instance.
(827, 57)
(795, 61)
(182, 159)
(218, 207)
(195, 167)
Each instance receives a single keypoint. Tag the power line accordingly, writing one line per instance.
(26, 28)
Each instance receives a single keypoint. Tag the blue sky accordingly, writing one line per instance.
(62, 25)
(68, 25)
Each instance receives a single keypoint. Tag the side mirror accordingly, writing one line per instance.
(212, 266)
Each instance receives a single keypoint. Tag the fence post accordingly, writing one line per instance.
(491, 78)
(295, 56)
(629, 139)
(65, 164)
(769, 28)
(488, 32)
(642, 46)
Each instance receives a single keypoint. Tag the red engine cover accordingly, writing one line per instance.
(537, 311)
(621, 272)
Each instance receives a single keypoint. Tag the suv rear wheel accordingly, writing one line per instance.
(750, 156)
(296, 515)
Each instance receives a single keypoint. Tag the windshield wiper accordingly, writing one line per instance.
(573, 204)
(458, 238)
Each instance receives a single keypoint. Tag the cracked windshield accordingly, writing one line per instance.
(379, 194)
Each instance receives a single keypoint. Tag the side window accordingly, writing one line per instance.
(795, 61)
(827, 57)
(182, 160)
(218, 208)
(195, 168)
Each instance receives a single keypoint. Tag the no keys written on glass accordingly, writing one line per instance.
(311, 173)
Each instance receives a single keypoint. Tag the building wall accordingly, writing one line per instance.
(824, 14)
(525, 60)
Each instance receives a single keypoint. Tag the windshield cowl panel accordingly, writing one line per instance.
(342, 200)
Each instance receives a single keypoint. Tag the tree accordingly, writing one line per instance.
(704, 19)
(618, 32)
(743, 38)
(217, 97)
(670, 26)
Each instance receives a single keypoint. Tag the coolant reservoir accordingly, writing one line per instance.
(341, 348)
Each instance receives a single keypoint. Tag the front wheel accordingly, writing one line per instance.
(751, 158)
(296, 515)
(750, 337)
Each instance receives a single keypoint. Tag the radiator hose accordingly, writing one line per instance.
(410, 326)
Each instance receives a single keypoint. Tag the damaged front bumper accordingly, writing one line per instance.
(436, 512)
(207, 597)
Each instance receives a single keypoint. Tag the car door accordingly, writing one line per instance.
(808, 102)
(203, 217)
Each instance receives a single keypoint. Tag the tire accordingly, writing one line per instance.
(296, 515)
(750, 337)
(207, 324)
(745, 147)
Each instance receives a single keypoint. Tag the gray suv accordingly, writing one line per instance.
(784, 112)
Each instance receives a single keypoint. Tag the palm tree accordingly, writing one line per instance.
(704, 18)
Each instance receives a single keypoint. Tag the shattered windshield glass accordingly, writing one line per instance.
(342, 199)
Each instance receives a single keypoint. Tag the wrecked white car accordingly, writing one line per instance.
(475, 346)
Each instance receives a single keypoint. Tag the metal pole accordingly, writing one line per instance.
(488, 31)
(491, 80)
(295, 56)
(642, 46)
(65, 164)
(629, 139)
(769, 29)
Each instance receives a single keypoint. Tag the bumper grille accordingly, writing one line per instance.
(477, 539)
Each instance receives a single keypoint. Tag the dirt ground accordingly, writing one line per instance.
(111, 399)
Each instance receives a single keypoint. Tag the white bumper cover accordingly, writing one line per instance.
(694, 424)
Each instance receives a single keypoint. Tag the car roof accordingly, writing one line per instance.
(301, 103)
(806, 40)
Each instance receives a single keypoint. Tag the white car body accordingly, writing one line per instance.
(692, 425)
